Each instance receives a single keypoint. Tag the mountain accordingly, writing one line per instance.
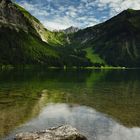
(20, 39)
(70, 30)
(115, 42)
(24, 40)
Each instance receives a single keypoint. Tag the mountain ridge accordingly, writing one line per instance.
(24, 40)
(114, 42)
(70, 30)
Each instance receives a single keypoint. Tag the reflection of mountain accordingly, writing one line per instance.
(115, 93)
(95, 77)
(119, 102)
(20, 94)
(15, 110)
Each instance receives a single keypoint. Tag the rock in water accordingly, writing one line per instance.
(60, 133)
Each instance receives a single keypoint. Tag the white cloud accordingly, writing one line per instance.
(59, 14)
(59, 23)
(28, 6)
(33, 8)
(51, 25)
(119, 5)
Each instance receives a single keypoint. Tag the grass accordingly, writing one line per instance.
(94, 58)
(107, 67)
(54, 38)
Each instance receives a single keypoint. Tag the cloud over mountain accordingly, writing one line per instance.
(58, 14)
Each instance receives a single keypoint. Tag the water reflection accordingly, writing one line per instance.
(115, 93)
(16, 110)
(94, 125)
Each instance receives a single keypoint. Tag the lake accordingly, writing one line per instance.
(101, 104)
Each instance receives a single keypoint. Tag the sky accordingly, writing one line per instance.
(61, 14)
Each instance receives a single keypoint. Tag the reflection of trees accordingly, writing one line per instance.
(14, 112)
(95, 77)
(21, 97)
(115, 93)
(116, 101)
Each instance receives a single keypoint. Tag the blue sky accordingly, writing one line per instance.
(61, 14)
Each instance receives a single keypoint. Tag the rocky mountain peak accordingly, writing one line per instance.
(5, 2)
(71, 29)
(11, 16)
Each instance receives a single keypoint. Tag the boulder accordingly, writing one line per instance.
(58, 133)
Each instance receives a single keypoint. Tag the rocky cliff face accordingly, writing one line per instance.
(11, 16)
(17, 18)
(70, 30)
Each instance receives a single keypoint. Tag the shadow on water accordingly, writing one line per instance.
(22, 95)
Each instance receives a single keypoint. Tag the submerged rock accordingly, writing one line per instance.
(60, 133)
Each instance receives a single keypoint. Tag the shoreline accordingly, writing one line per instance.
(9, 67)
